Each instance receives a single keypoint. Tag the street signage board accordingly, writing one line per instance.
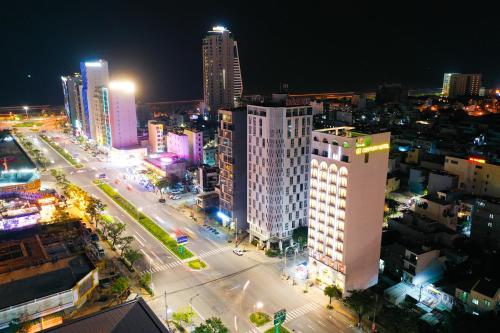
(182, 239)
(279, 317)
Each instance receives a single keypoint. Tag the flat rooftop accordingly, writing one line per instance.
(45, 280)
(13, 154)
(41, 260)
(344, 131)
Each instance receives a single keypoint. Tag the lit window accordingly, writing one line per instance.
(475, 301)
(490, 224)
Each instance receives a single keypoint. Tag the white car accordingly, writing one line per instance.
(238, 252)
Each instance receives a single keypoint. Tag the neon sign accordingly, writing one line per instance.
(477, 160)
(370, 149)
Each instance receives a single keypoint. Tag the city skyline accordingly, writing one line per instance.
(159, 46)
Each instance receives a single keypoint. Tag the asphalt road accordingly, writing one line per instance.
(228, 288)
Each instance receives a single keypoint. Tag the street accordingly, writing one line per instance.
(228, 288)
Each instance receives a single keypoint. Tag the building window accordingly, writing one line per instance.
(475, 301)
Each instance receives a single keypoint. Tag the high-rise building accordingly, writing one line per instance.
(156, 137)
(95, 75)
(485, 228)
(195, 140)
(232, 162)
(457, 84)
(102, 123)
(222, 82)
(72, 98)
(278, 139)
(346, 206)
(122, 114)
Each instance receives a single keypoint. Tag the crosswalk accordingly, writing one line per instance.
(204, 254)
(293, 314)
(164, 267)
(300, 311)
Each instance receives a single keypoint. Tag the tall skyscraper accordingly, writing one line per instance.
(346, 206)
(72, 98)
(123, 115)
(278, 141)
(232, 162)
(95, 75)
(456, 85)
(222, 82)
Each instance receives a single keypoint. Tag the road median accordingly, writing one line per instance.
(64, 154)
(148, 223)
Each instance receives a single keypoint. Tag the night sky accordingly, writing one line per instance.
(314, 46)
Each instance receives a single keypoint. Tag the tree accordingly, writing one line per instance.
(124, 243)
(120, 285)
(212, 325)
(60, 214)
(132, 256)
(396, 319)
(182, 316)
(94, 207)
(332, 292)
(115, 230)
(361, 301)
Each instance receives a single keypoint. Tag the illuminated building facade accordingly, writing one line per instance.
(475, 175)
(457, 84)
(122, 114)
(95, 75)
(72, 99)
(178, 144)
(278, 140)
(156, 137)
(195, 141)
(102, 120)
(232, 162)
(222, 81)
(346, 206)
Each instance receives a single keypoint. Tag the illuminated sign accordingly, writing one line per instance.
(219, 28)
(477, 160)
(93, 64)
(363, 141)
(371, 149)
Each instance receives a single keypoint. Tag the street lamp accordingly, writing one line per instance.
(26, 108)
(191, 305)
(258, 306)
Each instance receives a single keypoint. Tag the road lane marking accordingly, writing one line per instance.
(197, 312)
(215, 251)
(137, 239)
(235, 323)
(158, 258)
(139, 235)
(151, 261)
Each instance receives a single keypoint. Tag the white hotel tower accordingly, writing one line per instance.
(279, 139)
(348, 175)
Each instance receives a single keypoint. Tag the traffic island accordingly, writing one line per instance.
(259, 318)
(170, 243)
(197, 264)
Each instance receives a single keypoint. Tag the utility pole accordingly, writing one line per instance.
(166, 311)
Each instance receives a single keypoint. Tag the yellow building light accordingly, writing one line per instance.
(371, 149)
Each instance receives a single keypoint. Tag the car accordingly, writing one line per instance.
(176, 197)
(162, 200)
(80, 171)
(101, 176)
(238, 252)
